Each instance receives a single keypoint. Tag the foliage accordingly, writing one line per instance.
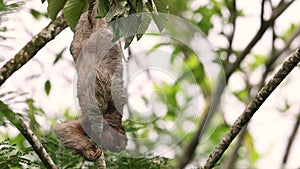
(11, 157)
(16, 153)
(6, 7)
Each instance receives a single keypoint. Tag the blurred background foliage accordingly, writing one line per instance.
(219, 20)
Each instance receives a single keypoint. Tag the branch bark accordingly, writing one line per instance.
(32, 47)
(252, 107)
(28, 134)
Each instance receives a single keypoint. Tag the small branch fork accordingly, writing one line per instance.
(254, 105)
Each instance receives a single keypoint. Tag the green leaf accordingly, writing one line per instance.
(118, 8)
(139, 6)
(103, 8)
(205, 24)
(160, 21)
(242, 95)
(54, 6)
(161, 5)
(59, 56)
(145, 21)
(72, 11)
(128, 41)
(36, 14)
(132, 5)
(47, 87)
(259, 60)
(149, 5)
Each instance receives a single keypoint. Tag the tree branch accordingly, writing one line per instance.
(230, 161)
(233, 17)
(291, 140)
(28, 134)
(32, 47)
(265, 25)
(189, 151)
(252, 107)
(272, 59)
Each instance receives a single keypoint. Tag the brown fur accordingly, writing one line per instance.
(100, 91)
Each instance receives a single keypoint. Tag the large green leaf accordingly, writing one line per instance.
(161, 6)
(72, 11)
(103, 8)
(54, 6)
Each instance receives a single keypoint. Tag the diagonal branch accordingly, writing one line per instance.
(233, 18)
(28, 134)
(291, 140)
(265, 25)
(251, 108)
(32, 47)
(272, 59)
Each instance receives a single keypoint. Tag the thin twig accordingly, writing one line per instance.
(189, 151)
(32, 47)
(233, 18)
(230, 161)
(28, 134)
(262, 12)
(251, 108)
(272, 59)
(266, 24)
(291, 141)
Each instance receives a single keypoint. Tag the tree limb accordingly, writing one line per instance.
(265, 25)
(28, 134)
(32, 47)
(291, 140)
(252, 107)
(233, 18)
(272, 59)
(230, 161)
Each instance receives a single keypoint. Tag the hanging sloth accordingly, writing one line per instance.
(100, 91)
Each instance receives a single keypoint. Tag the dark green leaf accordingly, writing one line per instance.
(132, 5)
(128, 41)
(103, 8)
(36, 14)
(161, 5)
(72, 11)
(139, 6)
(160, 21)
(117, 9)
(47, 87)
(54, 6)
(149, 5)
(58, 56)
(145, 21)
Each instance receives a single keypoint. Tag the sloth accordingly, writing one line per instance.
(100, 91)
